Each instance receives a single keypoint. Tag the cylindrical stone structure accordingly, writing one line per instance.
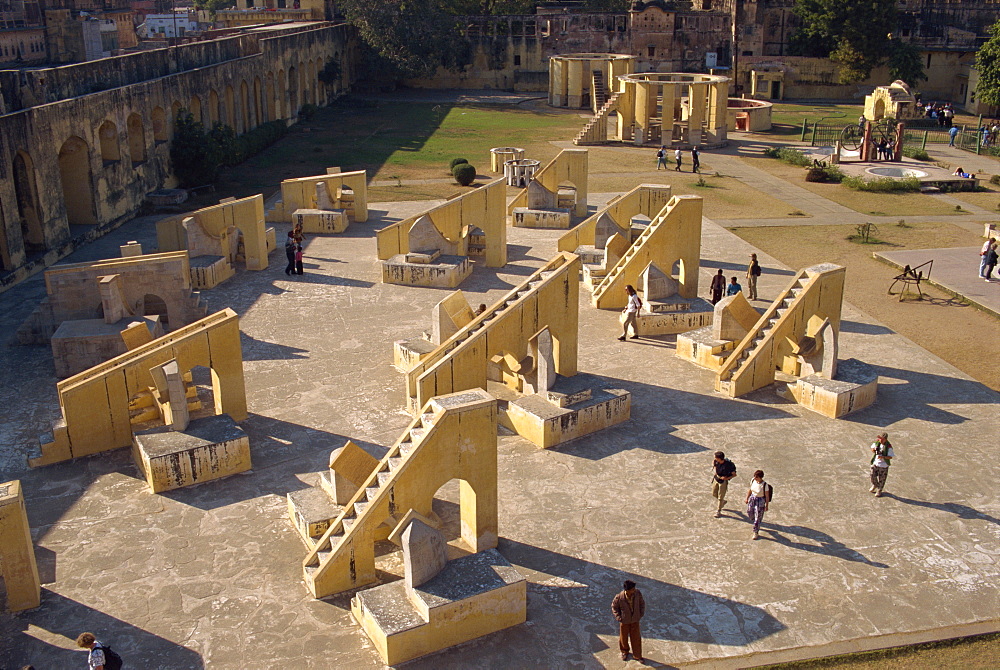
(520, 172)
(500, 155)
(572, 78)
(672, 108)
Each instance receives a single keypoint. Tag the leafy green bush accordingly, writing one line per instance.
(834, 174)
(883, 184)
(330, 74)
(916, 153)
(995, 180)
(788, 155)
(307, 111)
(464, 173)
(454, 162)
(197, 154)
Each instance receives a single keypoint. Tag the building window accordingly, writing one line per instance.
(748, 53)
(651, 51)
(517, 60)
(928, 59)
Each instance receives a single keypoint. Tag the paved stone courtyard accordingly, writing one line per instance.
(211, 576)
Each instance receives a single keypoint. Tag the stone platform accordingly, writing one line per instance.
(442, 272)
(471, 597)
(558, 218)
(210, 448)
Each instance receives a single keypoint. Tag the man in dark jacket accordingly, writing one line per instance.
(628, 607)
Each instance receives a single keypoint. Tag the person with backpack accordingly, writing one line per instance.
(882, 455)
(758, 498)
(290, 245)
(661, 158)
(753, 271)
(631, 312)
(100, 656)
(723, 470)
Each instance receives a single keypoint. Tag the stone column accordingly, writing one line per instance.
(557, 82)
(574, 84)
(626, 111)
(643, 92)
(720, 102)
(667, 103)
(696, 112)
(17, 554)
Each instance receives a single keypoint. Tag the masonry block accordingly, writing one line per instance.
(318, 221)
(17, 553)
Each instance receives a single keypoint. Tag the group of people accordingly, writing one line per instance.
(989, 133)
(628, 606)
(943, 113)
(719, 286)
(293, 250)
(988, 259)
(661, 159)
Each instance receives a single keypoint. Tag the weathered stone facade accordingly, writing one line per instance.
(82, 145)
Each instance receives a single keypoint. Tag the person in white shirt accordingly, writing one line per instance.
(757, 501)
(882, 455)
(679, 157)
(631, 311)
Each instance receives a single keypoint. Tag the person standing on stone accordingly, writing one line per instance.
(990, 243)
(631, 312)
(695, 159)
(723, 470)
(882, 455)
(991, 262)
(290, 246)
(734, 287)
(753, 271)
(717, 287)
(757, 501)
(628, 608)
(678, 157)
(661, 158)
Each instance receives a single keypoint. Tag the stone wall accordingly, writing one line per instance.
(75, 163)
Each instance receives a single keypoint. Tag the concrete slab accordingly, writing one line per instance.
(211, 576)
(955, 270)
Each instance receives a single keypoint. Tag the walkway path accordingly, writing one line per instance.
(955, 270)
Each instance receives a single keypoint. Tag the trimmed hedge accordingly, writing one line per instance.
(883, 184)
(464, 173)
(454, 162)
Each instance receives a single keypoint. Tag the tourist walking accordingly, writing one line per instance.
(695, 159)
(882, 455)
(717, 287)
(989, 244)
(661, 158)
(734, 287)
(100, 656)
(723, 470)
(753, 271)
(628, 608)
(631, 312)
(290, 246)
(952, 134)
(678, 157)
(991, 262)
(758, 498)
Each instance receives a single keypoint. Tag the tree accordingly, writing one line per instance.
(905, 62)
(193, 155)
(988, 66)
(852, 33)
(413, 37)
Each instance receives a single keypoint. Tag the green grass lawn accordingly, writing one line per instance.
(400, 140)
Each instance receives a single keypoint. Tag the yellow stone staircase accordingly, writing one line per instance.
(596, 129)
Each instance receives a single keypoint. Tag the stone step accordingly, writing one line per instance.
(395, 462)
(383, 478)
(359, 507)
(371, 492)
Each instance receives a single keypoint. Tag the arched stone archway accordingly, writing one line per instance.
(272, 107)
(175, 109)
(303, 86)
(107, 134)
(258, 103)
(136, 132)
(214, 112)
(244, 115)
(26, 194)
(161, 129)
(77, 184)
(230, 107)
(195, 109)
(293, 93)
